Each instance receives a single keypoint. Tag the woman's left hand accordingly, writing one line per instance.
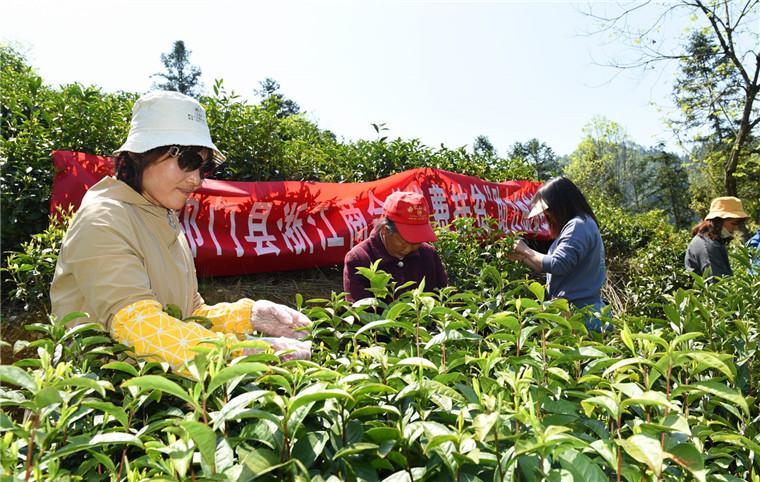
(287, 348)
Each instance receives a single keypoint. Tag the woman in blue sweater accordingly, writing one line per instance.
(574, 266)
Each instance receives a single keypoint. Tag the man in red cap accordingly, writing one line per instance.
(399, 240)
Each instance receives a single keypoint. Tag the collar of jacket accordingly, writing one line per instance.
(111, 188)
(119, 190)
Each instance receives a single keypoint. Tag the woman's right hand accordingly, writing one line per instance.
(278, 320)
(519, 250)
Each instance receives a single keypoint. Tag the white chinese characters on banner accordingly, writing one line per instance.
(459, 197)
(258, 233)
(189, 225)
(295, 236)
(478, 204)
(375, 208)
(355, 222)
(439, 204)
(332, 241)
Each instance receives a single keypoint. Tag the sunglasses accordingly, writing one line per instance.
(189, 159)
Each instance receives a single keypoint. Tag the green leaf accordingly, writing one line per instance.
(483, 423)
(122, 367)
(371, 388)
(538, 291)
(719, 390)
(47, 396)
(711, 360)
(417, 362)
(85, 442)
(355, 448)
(237, 407)
(17, 376)
(259, 460)
(114, 411)
(312, 396)
(156, 382)
(625, 335)
(646, 450)
(603, 401)
(687, 456)
(73, 316)
(506, 320)
(685, 337)
(736, 439)
(84, 382)
(310, 447)
(204, 438)
(581, 466)
(228, 373)
(450, 335)
(626, 362)
(373, 325)
(651, 398)
(79, 329)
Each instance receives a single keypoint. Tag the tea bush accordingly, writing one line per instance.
(30, 271)
(474, 255)
(644, 256)
(454, 386)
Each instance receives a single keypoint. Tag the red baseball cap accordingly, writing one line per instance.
(410, 213)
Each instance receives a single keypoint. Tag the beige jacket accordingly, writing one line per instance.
(123, 260)
(119, 249)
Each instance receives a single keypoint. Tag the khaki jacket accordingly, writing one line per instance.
(120, 249)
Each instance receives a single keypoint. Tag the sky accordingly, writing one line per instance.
(441, 71)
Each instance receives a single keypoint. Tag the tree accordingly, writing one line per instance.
(276, 101)
(669, 186)
(181, 75)
(725, 43)
(538, 155)
(484, 147)
(607, 164)
(592, 168)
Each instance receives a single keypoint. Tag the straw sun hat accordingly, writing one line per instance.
(726, 207)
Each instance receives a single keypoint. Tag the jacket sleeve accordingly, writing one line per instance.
(571, 246)
(155, 335)
(696, 259)
(355, 284)
(105, 263)
(228, 317)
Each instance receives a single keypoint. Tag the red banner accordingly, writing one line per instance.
(251, 227)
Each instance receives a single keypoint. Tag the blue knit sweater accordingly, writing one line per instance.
(575, 264)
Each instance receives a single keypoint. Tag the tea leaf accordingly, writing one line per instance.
(162, 384)
(18, 377)
(205, 440)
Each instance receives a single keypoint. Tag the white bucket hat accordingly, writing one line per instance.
(166, 118)
(538, 208)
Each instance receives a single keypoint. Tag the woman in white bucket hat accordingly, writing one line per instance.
(707, 248)
(124, 258)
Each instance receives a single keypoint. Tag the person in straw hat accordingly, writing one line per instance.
(707, 248)
(124, 258)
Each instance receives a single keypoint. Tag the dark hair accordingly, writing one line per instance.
(384, 221)
(709, 227)
(564, 201)
(131, 165)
